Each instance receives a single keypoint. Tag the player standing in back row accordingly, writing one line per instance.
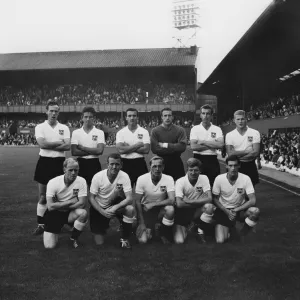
(88, 144)
(205, 139)
(169, 141)
(53, 139)
(133, 142)
(244, 142)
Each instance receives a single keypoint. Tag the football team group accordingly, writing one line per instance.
(165, 203)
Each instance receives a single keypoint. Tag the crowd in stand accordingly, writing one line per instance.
(110, 122)
(283, 106)
(95, 93)
(282, 150)
(22, 139)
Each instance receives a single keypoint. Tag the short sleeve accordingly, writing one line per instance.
(170, 185)
(51, 190)
(217, 187)
(126, 184)
(94, 185)
(228, 139)
(38, 132)
(119, 137)
(206, 185)
(249, 186)
(139, 186)
(256, 137)
(101, 136)
(146, 139)
(83, 188)
(193, 135)
(74, 139)
(179, 188)
(66, 132)
(219, 133)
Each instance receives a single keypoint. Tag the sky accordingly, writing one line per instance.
(61, 25)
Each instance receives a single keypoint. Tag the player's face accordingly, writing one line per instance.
(205, 115)
(88, 119)
(71, 171)
(52, 113)
(156, 167)
(132, 117)
(240, 121)
(193, 173)
(167, 117)
(233, 168)
(114, 166)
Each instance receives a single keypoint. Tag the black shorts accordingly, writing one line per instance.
(134, 167)
(48, 168)
(250, 169)
(55, 220)
(173, 166)
(184, 216)
(222, 219)
(88, 168)
(153, 216)
(210, 166)
(98, 223)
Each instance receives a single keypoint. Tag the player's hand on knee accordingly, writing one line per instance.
(140, 230)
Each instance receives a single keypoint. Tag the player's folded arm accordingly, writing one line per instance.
(54, 205)
(47, 145)
(144, 150)
(198, 147)
(77, 152)
(94, 151)
(80, 203)
(125, 149)
(65, 146)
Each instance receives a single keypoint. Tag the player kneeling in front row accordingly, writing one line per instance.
(111, 195)
(193, 203)
(66, 196)
(155, 198)
(229, 192)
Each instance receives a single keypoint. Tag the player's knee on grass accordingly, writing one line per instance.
(50, 240)
(169, 212)
(143, 239)
(179, 234)
(99, 239)
(221, 234)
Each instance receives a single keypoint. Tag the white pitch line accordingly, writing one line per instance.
(282, 187)
(279, 186)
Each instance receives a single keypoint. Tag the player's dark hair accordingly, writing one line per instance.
(194, 162)
(89, 109)
(206, 106)
(165, 109)
(156, 158)
(114, 156)
(51, 102)
(232, 158)
(132, 109)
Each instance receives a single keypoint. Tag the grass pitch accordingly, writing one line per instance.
(266, 266)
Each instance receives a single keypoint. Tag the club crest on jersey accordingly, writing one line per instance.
(61, 131)
(75, 192)
(94, 137)
(140, 136)
(163, 188)
(199, 189)
(240, 191)
(119, 186)
(250, 138)
(213, 134)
